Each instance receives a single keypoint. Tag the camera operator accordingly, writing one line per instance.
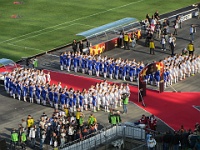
(125, 100)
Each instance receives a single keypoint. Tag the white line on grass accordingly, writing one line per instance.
(50, 31)
(25, 47)
(85, 25)
(42, 33)
(72, 21)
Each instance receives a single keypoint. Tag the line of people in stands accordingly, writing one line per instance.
(32, 85)
(180, 139)
(56, 130)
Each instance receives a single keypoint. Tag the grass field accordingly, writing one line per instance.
(43, 25)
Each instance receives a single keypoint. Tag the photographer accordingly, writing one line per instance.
(125, 100)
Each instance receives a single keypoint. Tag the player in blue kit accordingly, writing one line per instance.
(131, 71)
(117, 71)
(81, 101)
(105, 70)
(97, 68)
(19, 90)
(31, 92)
(111, 69)
(94, 102)
(75, 63)
(124, 73)
(38, 93)
(44, 95)
(83, 65)
(62, 99)
(90, 67)
(68, 62)
(50, 96)
(55, 98)
(25, 91)
(157, 77)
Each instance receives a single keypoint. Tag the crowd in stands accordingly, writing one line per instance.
(34, 85)
(64, 127)
(56, 130)
(178, 140)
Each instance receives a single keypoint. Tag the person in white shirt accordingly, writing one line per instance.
(151, 143)
(32, 136)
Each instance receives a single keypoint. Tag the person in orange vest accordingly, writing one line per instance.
(152, 47)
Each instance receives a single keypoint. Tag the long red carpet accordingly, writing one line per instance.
(175, 109)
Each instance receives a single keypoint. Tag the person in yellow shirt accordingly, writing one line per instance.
(126, 41)
(66, 110)
(191, 48)
(152, 47)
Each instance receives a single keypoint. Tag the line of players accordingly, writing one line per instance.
(30, 84)
(101, 66)
(179, 67)
(176, 67)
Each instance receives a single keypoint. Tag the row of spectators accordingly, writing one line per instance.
(180, 139)
(56, 130)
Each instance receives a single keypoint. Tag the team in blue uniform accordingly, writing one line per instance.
(98, 65)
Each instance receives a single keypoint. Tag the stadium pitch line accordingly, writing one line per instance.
(43, 33)
(51, 31)
(85, 17)
(25, 47)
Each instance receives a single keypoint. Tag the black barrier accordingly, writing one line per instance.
(3, 145)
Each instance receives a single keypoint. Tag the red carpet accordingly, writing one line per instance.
(175, 109)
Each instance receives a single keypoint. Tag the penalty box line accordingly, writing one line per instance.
(85, 17)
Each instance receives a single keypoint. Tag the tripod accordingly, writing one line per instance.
(141, 97)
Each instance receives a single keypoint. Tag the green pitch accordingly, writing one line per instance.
(35, 26)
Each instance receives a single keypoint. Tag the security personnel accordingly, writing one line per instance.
(92, 120)
(23, 140)
(118, 117)
(113, 119)
(14, 138)
(152, 47)
(126, 41)
(190, 48)
(78, 113)
(81, 121)
(125, 100)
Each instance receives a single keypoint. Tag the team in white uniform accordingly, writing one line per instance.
(179, 67)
